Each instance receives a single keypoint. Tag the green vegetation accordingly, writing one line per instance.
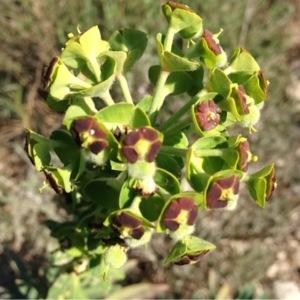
(32, 31)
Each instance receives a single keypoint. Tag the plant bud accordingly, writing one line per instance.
(115, 256)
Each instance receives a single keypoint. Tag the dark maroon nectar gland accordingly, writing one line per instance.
(211, 42)
(128, 225)
(88, 133)
(224, 193)
(208, 115)
(242, 100)
(182, 211)
(141, 144)
(191, 259)
(245, 155)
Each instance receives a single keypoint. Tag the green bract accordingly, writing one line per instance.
(120, 171)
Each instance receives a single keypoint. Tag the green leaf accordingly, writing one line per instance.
(62, 177)
(145, 103)
(38, 149)
(170, 164)
(122, 115)
(64, 146)
(82, 52)
(166, 182)
(151, 207)
(58, 106)
(257, 87)
(78, 108)
(99, 192)
(257, 189)
(262, 184)
(177, 82)
(119, 58)
(65, 83)
(171, 62)
(182, 20)
(242, 61)
(127, 194)
(67, 286)
(178, 140)
(131, 41)
(201, 167)
(219, 83)
(190, 245)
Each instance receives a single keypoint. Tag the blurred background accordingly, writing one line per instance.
(258, 251)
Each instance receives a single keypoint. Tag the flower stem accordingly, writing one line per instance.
(178, 126)
(125, 89)
(209, 152)
(159, 97)
(181, 152)
(106, 97)
(175, 117)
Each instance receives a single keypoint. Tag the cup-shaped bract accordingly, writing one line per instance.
(182, 20)
(189, 250)
(179, 214)
(223, 192)
(262, 185)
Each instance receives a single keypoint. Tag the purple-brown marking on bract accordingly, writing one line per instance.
(186, 203)
(273, 185)
(208, 115)
(153, 151)
(174, 210)
(96, 131)
(243, 99)
(244, 150)
(211, 42)
(98, 146)
(125, 220)
(132, 138)
(191, 258)
(82, 124)
(171, 224)
(137, 233)
(130, 153)
(149, 134)
(175, 5)
(49, 71)
(53, 183)
(193, 216)
(214, 197)
(263, 82)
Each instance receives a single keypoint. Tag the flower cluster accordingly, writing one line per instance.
(121, 168)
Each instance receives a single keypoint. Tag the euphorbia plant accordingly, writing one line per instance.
(119, 169)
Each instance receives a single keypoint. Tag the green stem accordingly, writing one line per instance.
(174, 118)
(209, 152)
(159, 96)
(135, 205)
(181, 152)
(125, 89)
(178, 126)
(169, 39)
(117, 183)
(106, 97)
